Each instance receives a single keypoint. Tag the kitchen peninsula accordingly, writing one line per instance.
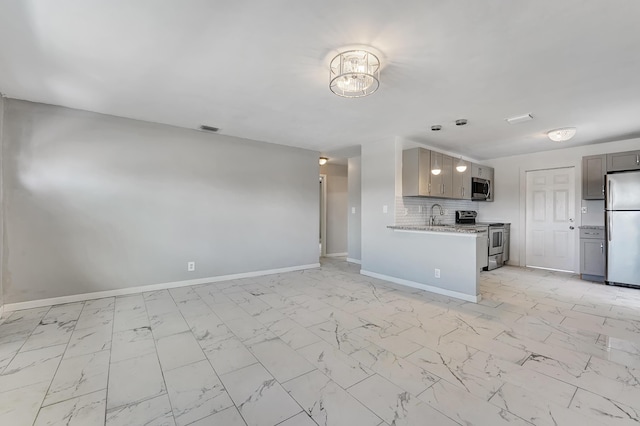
(444, 259)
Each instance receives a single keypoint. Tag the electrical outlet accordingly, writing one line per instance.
(437, 273)
(446, 211)
(584, 210)
(419, 209)
(406, 211)
(385, 209)
(353, 210)
(191, 266)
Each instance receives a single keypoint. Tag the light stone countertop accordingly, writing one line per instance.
(447, 229)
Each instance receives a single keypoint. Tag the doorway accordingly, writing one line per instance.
(323, 216)
(549, 224)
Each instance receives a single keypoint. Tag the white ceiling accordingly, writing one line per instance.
(259, 69)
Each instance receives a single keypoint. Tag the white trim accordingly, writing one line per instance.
(151, 287)
(351, 260)
(432, 289)
(336, 254)
(323, 215)
(1, 310)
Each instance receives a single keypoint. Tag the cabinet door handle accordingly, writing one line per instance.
(601, 248)
(637, 159)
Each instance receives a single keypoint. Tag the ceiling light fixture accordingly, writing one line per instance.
(436, 128)
(462, 166)
(461, 122)
(354, 73)
(561, 135)
(323, 161)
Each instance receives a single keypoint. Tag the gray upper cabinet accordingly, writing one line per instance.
(621, 161)
(418, 181)
(442, 184)
(416, 172)
(594, 167)
(480, 171)
(462, 181)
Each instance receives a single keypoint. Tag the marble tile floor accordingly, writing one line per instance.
(329, 347)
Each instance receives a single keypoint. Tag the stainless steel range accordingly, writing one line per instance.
(497, 237)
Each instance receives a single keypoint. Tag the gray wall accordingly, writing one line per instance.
(354, 222)
(337, 205)
(95, 202)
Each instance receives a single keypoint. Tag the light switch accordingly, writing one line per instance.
(353, 210)
(385, 209)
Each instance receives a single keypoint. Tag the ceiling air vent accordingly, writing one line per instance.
(209, 128)
(519, 119)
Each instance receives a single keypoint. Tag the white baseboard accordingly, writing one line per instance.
(151, 287)
(350, 260)
(335, 254)
(426, 287)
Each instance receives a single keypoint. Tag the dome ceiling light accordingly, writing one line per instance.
(354, 74)
(323, 161)
(561, 135)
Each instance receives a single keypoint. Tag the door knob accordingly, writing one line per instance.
(571, 227)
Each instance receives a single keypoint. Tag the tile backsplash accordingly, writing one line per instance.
(417, 210)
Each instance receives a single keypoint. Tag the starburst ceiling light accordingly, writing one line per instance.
(354, 73)
(561, 135)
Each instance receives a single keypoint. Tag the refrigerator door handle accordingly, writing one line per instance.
(610, 226)
(609, 185)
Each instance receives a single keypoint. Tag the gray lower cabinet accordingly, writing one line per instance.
(592, 257)
(622, 161)
(594, 168)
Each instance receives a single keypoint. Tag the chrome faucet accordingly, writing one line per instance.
(433, 218)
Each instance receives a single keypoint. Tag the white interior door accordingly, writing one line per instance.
(550, 227)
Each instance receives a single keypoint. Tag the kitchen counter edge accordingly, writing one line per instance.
(440, 229)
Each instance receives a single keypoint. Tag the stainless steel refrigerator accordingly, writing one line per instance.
(622, 228)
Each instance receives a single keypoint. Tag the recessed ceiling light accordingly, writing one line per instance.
(461, 122)
(436, 127)
(519, 119)
(561, 135)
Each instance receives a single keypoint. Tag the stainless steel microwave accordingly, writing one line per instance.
(481, 189)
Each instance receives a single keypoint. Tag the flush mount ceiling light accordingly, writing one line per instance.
(561, 135)
(323, 161)
(462, 166)
(354, 73)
